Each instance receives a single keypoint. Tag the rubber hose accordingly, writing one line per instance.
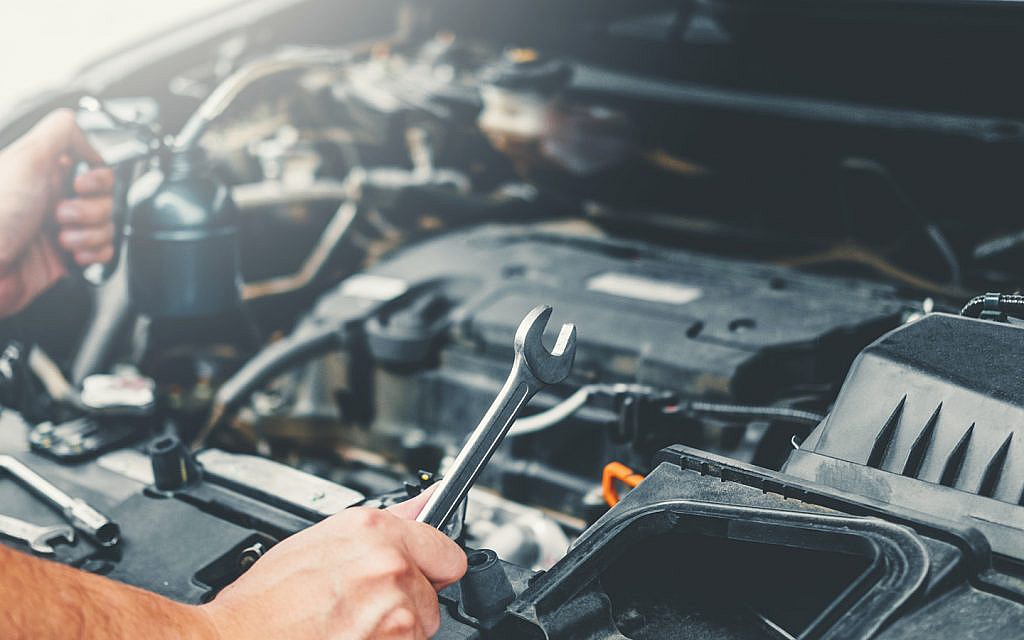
(308, 342)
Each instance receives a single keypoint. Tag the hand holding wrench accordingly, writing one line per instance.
(532, 370)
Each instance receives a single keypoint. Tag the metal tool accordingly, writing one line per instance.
(77, 512)
(36, 537)
(533, 369)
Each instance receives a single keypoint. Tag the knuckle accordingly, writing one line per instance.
(366, 518)
(99, 212)
(62, 117)
(54, 125)
(400, 622)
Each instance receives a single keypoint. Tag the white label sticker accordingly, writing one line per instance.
(641, 288)
(373, 287)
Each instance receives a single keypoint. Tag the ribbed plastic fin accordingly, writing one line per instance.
(994, 469)
(885, 436)
(955, 461)
(921, 445)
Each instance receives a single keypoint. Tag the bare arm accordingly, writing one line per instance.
(361, 574)
(47, 600)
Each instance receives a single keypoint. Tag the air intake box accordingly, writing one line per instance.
(941, 401)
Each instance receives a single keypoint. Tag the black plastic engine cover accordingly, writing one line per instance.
(439, 318)
(697, 324)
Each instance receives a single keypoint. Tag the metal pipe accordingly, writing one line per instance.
(226, 92)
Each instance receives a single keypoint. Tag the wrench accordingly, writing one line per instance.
(38, 538)
(532, 370)
(78, 512)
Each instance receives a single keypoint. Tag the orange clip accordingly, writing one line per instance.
(617, 471)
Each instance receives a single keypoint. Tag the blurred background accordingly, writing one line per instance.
(44, 42)
(331, 216)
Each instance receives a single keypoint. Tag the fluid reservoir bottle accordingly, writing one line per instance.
(182, 240)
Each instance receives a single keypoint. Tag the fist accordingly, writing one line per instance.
(361, 574)
(33, 175)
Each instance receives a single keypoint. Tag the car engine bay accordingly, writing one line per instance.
(782, 420)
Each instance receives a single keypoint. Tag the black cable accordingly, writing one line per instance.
(750, 412)
(945, 249)
(995, 303)
(932, 231)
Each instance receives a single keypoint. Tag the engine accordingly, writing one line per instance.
(776, 424)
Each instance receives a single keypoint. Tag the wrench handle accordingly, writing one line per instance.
(37, 483)
(452, 489)
(19, 529)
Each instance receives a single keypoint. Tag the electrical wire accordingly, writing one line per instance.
(752, 412)
(1008, 303)
(566, 408)
(945, 249)
(556, 414)
(934, 233)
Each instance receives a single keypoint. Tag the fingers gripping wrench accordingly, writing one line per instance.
(532, 370)
(36, 537)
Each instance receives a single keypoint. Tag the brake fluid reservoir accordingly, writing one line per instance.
(182, 241)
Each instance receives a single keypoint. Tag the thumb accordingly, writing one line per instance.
(58, 133)
(411, 508)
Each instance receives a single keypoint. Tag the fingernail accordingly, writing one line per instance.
(67, 213)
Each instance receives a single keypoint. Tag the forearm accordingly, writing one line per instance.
(20, 184)
(19, 286)
(47, 600)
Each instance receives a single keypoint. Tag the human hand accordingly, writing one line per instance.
(33, 174)
(361, 574)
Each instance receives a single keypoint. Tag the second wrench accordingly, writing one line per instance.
(77, 512)
(37, 537)
(533, 369)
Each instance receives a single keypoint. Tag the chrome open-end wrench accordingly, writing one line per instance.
(533, 369)
(36, 537)
(77, 512)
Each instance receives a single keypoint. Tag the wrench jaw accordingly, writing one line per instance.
(548, 367)
(43, 543)
(533, 369)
